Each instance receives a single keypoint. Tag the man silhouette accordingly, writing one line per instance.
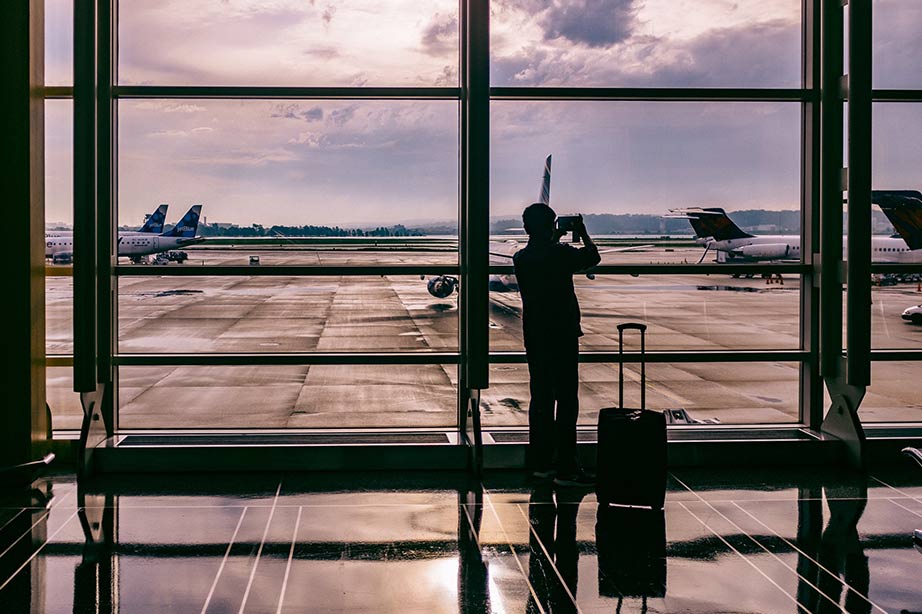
(544, 271)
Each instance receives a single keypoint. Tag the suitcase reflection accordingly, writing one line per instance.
(631, 545)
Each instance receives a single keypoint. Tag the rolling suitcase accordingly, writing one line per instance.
(631, 451)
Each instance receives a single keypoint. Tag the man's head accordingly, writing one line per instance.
(538, 219)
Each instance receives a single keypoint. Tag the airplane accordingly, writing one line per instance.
(137, 245)
(715, 230)
(904, 210)
(444, 285)
(153, 224)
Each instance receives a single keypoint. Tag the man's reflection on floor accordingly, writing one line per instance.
(553, 555)
(631, 545)
(832, 563)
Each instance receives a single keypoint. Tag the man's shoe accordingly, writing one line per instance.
(543, 474)
(579, 479)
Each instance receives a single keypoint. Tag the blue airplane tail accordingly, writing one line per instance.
(187, 226)
(545, 196)
(154, 223)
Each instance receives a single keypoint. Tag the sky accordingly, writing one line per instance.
(353, 163)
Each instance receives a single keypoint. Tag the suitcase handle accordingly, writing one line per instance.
(643, 362)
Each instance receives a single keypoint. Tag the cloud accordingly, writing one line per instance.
(440, 37)
(340, 117)
(296, 111)
(594, 23)
(741, 56)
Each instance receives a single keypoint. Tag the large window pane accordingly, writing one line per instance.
(683, 312)
(889, 329)
(66, 411)
(59, 164)
(309, 396)
(656, 43)
(288, 42)
(726, 393)
(277, 170)
(59, 42)
(897, 46)
(897, 147)
(894, 393)
(59, 314)
(284, 314)
(616, 161)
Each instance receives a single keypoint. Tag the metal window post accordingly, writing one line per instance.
(859, 194)
(105, 210)
(811, 389)
(85, 170)
(475, 205)
(847, 379)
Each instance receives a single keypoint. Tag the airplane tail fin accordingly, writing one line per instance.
(188, 225)
(545, 196)
(154, 223)
(710, 222)
(904, 210)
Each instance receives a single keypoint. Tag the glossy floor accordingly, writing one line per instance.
(798, 540)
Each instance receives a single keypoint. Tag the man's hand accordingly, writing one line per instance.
(582, 233)
(558, 234)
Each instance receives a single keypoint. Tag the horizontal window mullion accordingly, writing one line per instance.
(254, 92)
(896, 355)
(184, 270)
(654, 94)
(896, 268)
(58, 92)
(498, 358)
(690, 269)
(287, 359)
(896, 95)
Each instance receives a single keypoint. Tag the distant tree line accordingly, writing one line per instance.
(258, 230)
(753, 220)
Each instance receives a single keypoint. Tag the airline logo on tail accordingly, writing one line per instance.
(904, 210)
(154, 223)
(187, 226)
(711, 222)
(545, 196)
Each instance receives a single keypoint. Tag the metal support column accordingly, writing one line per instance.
(811, 388)
(475, 212)
(105, 207)
(847, 379)
(93, 394)
(24, 422)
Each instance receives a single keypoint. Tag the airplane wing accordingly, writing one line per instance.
(629, 248)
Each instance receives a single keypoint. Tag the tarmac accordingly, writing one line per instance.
(687, 313)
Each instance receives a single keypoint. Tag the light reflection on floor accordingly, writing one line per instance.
(727, 541)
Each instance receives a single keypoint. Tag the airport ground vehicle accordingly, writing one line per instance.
(177, 255)
(913, 314)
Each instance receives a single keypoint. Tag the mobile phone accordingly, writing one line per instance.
(568, 223)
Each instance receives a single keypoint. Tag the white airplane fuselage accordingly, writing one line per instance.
(130, 244)
(787, 247)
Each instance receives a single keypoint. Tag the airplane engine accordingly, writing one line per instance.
(442, 286)
(767, 251)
